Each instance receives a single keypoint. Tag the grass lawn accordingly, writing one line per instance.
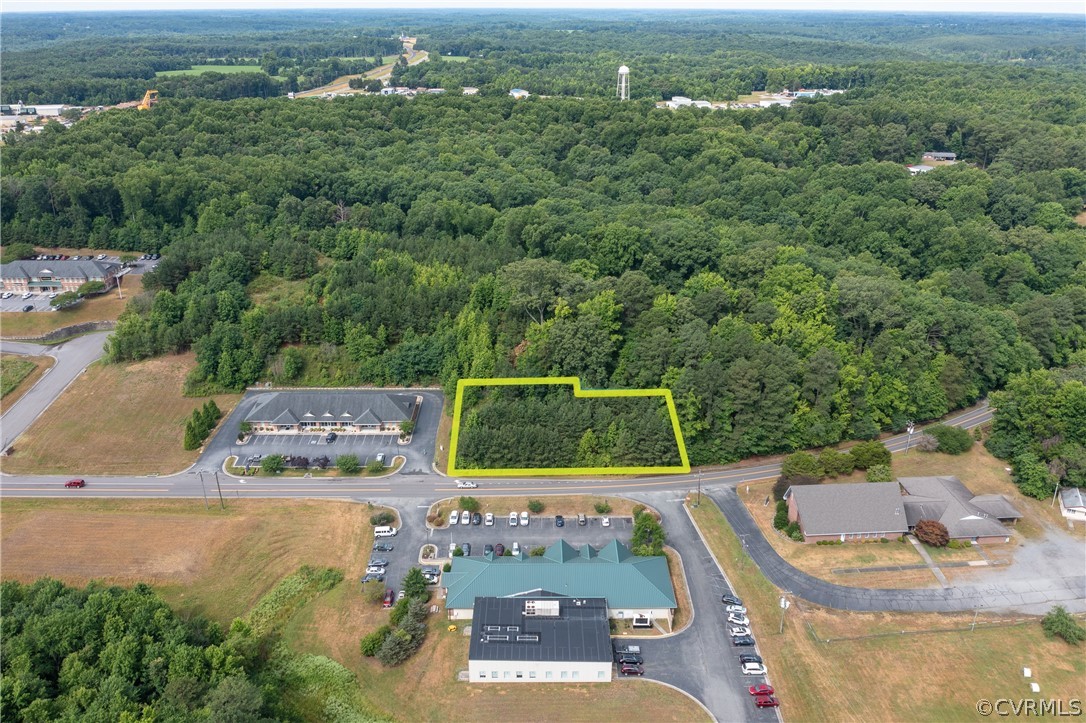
(456, 58)
(15, 370)
(105, 307)
(938, 676)
(444, 433)
(268, 289)
(567, 505)
(198, 69)
(140, 404)
(246, 550)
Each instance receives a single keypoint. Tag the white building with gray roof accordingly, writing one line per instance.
(1073, 503)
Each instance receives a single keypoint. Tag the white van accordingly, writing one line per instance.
(384, 531)
(465, 484)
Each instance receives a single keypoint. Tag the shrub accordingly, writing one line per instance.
(272, 464)
(508, 552)
(373, 642)
(469, 503)
(1059, 623)
(638, 509)
(399, 611)
(458, 552)
(538, 551)
(396, 648)
(926, 443)
(802, 464)
(834, 463)
(880, 473)
(780, 519)
(535, 506)
(791, 528)
(783, 483)
(602, 508)
(884, 539)
(447, 567)
(796, 534)
(348, 464)
(931, 532)
(382, 518)
(321, 462)
(414, 584)
(373, 591)
(375, 467)
(952, 440)
(868, 454)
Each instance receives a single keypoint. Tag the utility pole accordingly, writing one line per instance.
(201, 473)
(784, 606)
(699, 488)
(223, 504)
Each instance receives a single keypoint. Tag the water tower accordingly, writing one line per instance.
(623, 83)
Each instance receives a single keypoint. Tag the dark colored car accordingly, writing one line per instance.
(743, 640)
(331, 437)
(559, 521)
(373, 577)
(382, 547)
(378, 562)
(499, 549)
(630, 659)
(766, 701)
(28, 307)
(487, 549)
(466, 547)
(75, 483)
(631, 670)
(730, 599)
(750, 658)
(476, 518)
(761, 689)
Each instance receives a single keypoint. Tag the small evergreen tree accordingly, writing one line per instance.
(952, 440)
(535, 506)
(801, 464)
(1058, 622)
(880, 473)
(868, 454)
(780, 519)
(414, 584)
(372, 643)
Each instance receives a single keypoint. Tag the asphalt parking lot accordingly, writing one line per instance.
(365, 447)
(540, 531)
(40, 302)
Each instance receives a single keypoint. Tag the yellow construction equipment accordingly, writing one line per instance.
(149, 99)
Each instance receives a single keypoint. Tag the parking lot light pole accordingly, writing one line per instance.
(910, 427)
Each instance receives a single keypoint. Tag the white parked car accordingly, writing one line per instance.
(6, 295)
(516, 548)
(739, 631)
(465, 518)
(512, 519)
(606, 522)
(524, 519)
(375, 570)
(737, 609)
(489, 519)
(454, 517)
(753, 669)
(737, 619)
(53, 295)
(28, 294)
(462, 484)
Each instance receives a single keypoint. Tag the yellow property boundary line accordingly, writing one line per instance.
(575, 382)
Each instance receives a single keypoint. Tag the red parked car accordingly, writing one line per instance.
(630, 669)
(761, 689)
(75, 483)
(389, 595)
(766, 701)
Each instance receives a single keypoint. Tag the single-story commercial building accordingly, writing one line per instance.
(350, 411)
(919, 168)
(60, 276)
(636, 588)
(1073, 503)
(940, 156)
(847, 512)
(977, 518)
(539, 639)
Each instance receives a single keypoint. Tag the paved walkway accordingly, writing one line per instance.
(1031, 595)
(928, 561)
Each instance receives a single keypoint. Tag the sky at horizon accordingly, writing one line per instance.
(1063, 7)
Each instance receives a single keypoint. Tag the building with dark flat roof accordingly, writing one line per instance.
(539, 638)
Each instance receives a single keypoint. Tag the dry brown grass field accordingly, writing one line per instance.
(246, 550)
(935, 671)
(116, 419)
(106, 307)
(41, 364)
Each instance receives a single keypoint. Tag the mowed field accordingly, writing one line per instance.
(18, 374)
(936, 670)
(198, 69)
(106, 307)
(116, 419)
(218, 564)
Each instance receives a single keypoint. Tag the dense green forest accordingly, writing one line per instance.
(541, 426)
(110, 654)
(778, 269)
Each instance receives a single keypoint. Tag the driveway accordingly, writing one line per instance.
(1034, 594)
(72, 357)
(541, 531)
(419, 453)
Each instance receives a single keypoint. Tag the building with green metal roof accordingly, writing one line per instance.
(634, 587)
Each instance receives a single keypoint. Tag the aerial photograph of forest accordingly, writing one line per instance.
(852, 245)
